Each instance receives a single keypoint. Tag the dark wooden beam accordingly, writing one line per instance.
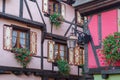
(40, 11)
(21, 9)
(72, 23)
(37, 72)
(3, 7)
(92, 42)
(34, 24)
(97, 6)
(28, 9)
(99, 32)
(42, 51)
(54, 36)
(69, 27)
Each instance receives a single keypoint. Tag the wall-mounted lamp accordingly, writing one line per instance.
(81, 39)
(72, 40)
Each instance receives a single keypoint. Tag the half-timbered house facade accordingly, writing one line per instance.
(26, 24)
(103, 19)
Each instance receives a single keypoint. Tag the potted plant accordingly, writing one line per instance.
(63, 67)
(22, 55)
(56, 19)
(111, 48)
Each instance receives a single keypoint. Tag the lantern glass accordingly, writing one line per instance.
(72, 41)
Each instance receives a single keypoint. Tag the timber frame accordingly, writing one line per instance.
(45, 74)
(88, 9)
(42, 73)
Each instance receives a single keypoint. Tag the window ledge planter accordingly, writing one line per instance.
(111, 49)
(63, 67)
(23, 56)
(56, 19)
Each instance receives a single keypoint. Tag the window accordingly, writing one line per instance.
(52, 6)
(60, 51)
(19, 37)
(56, 51)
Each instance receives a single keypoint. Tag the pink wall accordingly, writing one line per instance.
(109, 26)
(91, 58)
(93, 26)
(109, 22)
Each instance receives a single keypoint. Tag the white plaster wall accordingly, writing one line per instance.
(20, 77)
(45, 49)
(25, 12)
(1, 5)
(56, 68)
(74, 70)
(12, 7)
(34, 11)
(47, 65)
(7, 58)
(35, 63)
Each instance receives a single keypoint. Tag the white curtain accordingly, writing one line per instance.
(22, 39)
(14, 38)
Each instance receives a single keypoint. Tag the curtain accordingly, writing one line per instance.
(22, 39)
(14, 39)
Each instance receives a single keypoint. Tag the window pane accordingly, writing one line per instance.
(22, 43)
(20, 39)
(54, 7)
(56, 54)
(56, 46)
(22, 35)
(14, 33)
(61, 47)
(14, 38)
(60, 51)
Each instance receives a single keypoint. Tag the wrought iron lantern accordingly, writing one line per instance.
(81, 39)
(72, 40)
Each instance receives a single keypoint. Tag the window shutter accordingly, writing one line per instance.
(71, 56)
(51, 51)
(81, 56)
(63, 10)
(33, 42)
(77, 55)
(45, 6)
(78, 18)
(7, 40)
